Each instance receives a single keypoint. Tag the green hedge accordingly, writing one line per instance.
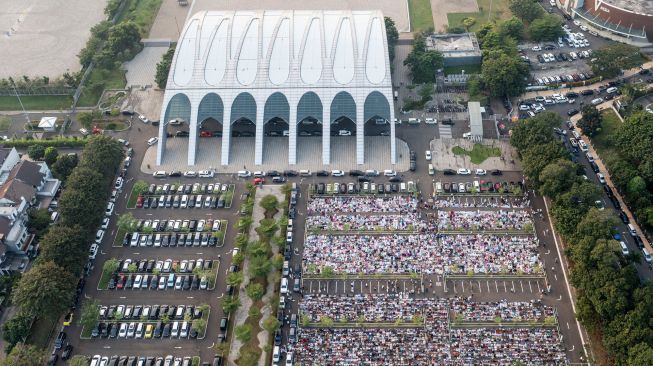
(54, 142)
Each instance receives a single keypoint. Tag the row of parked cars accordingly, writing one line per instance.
(149, 312)
(157, 282)
(143, 330)
(196, 188)
(362, 187)
(182, 201)
(569, 78)
(163, 266)
(196, 239)
(477, 186)
(116, 360)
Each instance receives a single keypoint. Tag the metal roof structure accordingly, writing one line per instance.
(260, 65)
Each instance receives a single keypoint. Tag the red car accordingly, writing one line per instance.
(139, 202)
(205, 134)
(121, 282)
(259, 180)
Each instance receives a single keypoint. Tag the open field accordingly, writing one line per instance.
(420, 15)
(51, 102)
(489, 10)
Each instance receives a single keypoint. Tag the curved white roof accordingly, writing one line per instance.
(281, 49)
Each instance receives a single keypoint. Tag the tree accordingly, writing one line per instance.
(259, 266)
(39, 220)
(79, 202)
(255, 291)
(235, 279)
(423, 63)
(45, 291)
(123, 36)
(65, 246)
(526, 10)
(230, 303)
(104, 155)
(163, 68)
(24, 355)
(36, 152)
(90, 314)
(504, 75)
(78, 360)
(591, 121)
(468, 22)
(513, 28)
(392, 35)
(557, 177)
(547, 28)
(537, 157)
(16, 330)
(127, 222)
(608, 61)
(269, 202)
(637, 187)
(243, 333)
(271, 323)
(200, 325)
(536, 130)
(50, 155)
(64, 165)
(110, 266)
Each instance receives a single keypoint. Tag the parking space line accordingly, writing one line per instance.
(462, 284)
(496, 284)
(479, 286)
(529, 285)
(487, 283)
(538, 286)
(504, 287)
(521, 283)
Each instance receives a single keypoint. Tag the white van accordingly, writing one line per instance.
(611, 90)
(276, 354)
(159, 174)
(597, 101)
(305, 173)
(414, 121)
(174, 333)
(624, 248)
(244, 174)
(431, 170)
(631, 230)
(284, 285)
(438, 187)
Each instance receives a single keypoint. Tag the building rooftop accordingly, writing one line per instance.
(635, 6)
(463, 44)
(28, 172)
(13, 189)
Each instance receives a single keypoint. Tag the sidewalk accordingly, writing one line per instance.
(578, 89)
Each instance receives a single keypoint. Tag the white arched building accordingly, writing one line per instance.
(289, 65)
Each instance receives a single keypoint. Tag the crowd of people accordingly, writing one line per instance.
(505, 346)
(481, 202)
(521, 311)
(384, 222)
(367, 347)
(493, 254)
(354, 254)
(370, 204)
(484, 220)
(375, 308)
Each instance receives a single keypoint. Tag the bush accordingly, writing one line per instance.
(54, 142)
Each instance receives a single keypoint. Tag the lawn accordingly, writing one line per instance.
(143, 13)
(421, 17)
(469, 69)
(98, 80)
(490, 10)
(117, 240)
(604, 141)
(131, 202)
(479, 153)
(36, 103)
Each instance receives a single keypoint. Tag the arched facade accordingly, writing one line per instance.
(289, 64)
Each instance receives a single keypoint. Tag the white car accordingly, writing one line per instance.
(105, 223)
(84, 132)
(244, 174)
(524, 107)
(259, 174)
(389, 173)
(190, 174)
(143, 118)
(109, 210)
(428, 154)
(536, 48)
(92, 252)
(205, 174)
(152, 141)
(337, 173)
(583, 28)
(344, 133)
(601, 178)
(431, 121)
(99, 235)
(118, 184)
(464, 171)
(160, 174)
(576, 22)
(481, 172)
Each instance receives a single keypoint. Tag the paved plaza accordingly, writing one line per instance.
(31, 33)
(444, 158)
(275, 153)
(142, 69)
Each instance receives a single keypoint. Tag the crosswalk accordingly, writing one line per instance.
(445, 131)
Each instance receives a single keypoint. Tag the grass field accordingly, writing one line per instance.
(490, 10)
(604, 141)
(99, 80)
(479, 152)
(469, 69)
(143, 13)
(421, 17)
(50, 102)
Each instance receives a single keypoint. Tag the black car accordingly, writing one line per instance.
(166, 330)
(496, 172)
(61, 338)
(395, 179)
(182, 133)
(624, 217)
(413, 165)
(175, 173)
(587, 92)
(292, 212)
(448, 121)
(277, 337)
(571, 95)
(53, 359)
(322, 173)
(247, 134)
(67, 351)
(572, 112)
(356, 173)
(595, 167)
(289, 173)
(363, 179)
(272, 173)
(449, 172)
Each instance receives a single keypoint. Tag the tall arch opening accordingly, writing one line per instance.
(310, 116)
(175, 124)
(276, 116)
(243, 122)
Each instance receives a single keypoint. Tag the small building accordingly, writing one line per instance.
(457, 49)
(48, 124)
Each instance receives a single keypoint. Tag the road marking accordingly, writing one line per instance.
(123, 297)
(221, 295)
(336, 286)
(136, 253)
(504, 286)
(178, 347)
(479, 286)
(496, 284)
(521, 283)
(538, 286)
(529, 285)
(555, 276)
(568, 325)
(149, 214)
(190, 297)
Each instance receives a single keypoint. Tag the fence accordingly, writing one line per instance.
(38, 91)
